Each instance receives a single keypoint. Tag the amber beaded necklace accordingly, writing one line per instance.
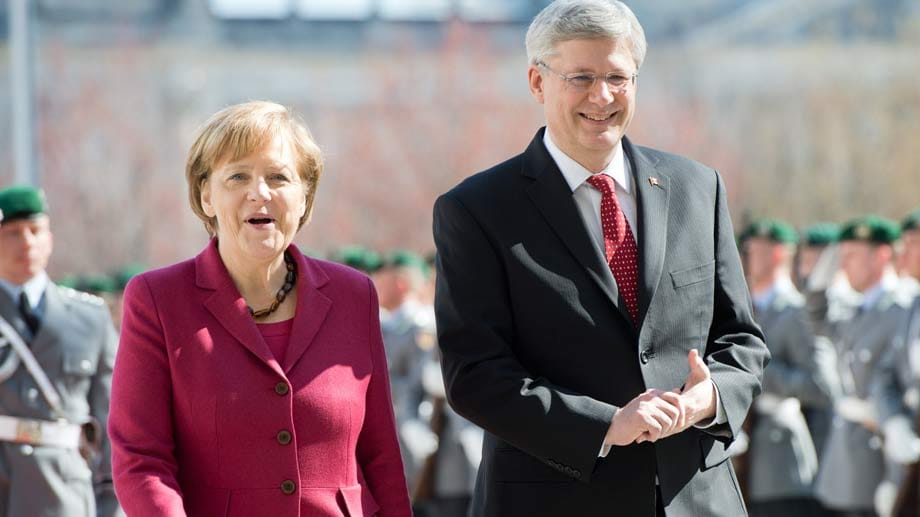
(289, 281)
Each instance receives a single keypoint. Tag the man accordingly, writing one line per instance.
(408, 335)
(782, 461)
(70, 336)
(592, 313)
(853, 464)
(895, 388)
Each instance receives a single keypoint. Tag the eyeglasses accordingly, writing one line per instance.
(582, 81)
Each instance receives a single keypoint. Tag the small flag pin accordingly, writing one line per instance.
(653, 181)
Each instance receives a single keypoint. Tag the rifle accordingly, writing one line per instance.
(424, 489)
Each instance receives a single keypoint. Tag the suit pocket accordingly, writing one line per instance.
(713, 452)
(358, 501)
(693, 275)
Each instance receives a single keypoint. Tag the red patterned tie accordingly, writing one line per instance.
(619, 244)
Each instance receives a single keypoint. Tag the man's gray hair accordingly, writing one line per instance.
(565, 20)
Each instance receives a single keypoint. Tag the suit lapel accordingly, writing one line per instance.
(227, 305)
(553, 198)
(653, 196)
(312, 307)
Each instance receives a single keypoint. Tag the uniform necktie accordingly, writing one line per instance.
(28, 315)
(619, 244)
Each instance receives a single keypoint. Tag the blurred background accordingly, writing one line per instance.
(810, 110)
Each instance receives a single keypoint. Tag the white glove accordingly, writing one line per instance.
(739, 445)
(855, 410)
(885, 495)
(418, 439)
(432, 381)
(901, 442)
(825, 269)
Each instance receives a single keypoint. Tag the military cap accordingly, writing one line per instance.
(871, 228)
(911, 222)
(358, 257)
(771, 229)
(821, 234)
(125, 274)
(70, 281)
(22, 202)
(96, 284)
(407, 259)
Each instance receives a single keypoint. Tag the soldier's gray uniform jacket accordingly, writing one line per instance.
(853, 464)
(896, 387)
(407, 332)
(783, 458)
(75, 345)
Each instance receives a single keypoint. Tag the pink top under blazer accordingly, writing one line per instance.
(204, 421)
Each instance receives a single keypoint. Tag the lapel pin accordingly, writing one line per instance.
(653, 181)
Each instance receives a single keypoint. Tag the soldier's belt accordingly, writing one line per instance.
(39, 432)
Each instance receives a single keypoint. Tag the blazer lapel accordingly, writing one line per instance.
(227, 305)
(553, 198)
(653, 196)
(312, 307)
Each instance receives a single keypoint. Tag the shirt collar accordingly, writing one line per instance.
(575, 174)
(34, 288)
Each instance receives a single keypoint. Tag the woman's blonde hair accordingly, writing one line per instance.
(236, 132)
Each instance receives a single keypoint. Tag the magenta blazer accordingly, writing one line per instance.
(204, 421)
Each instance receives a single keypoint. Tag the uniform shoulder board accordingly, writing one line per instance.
(81, 296)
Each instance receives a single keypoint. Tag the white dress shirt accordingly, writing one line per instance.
(588, 200)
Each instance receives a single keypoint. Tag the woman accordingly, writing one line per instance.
(251, 380)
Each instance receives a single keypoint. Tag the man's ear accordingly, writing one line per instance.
(535, 81)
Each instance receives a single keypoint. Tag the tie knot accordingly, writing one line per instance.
(602, 182)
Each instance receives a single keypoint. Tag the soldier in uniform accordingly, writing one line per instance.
(896, 386)
(408, 336)
(782, 461)
(853, 465)
(71, 339)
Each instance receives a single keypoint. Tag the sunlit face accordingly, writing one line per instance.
(910, 253)
(25, 247)
(863, 263)
(258, 201)
(586, 125)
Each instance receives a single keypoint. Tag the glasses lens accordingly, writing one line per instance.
(581, 82)
(617, 82)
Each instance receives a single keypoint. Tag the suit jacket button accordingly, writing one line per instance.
(284, 437)
(282, 388)
(288, 487)
(644, 356)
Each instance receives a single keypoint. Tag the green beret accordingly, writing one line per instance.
(821, 234)
(70, 281)
(771, 229)
(405, 259)
(358, 257)
(22, 202)
(911, 222)
(871, 228)
(96, 284)
(125, 274)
